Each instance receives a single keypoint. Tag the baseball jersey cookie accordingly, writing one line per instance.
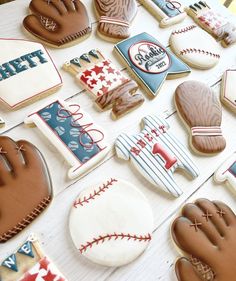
(73, 133)
(150, 62)
(228, 93)
(214, 23)
(109, 87)
(27, 73)
(201, 111)
(111, 223)
(29, 263)
(167, 12)
(25, 186)
(195, 47)
(156, 154)
(58, 23)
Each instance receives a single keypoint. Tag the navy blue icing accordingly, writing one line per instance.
(167, 7)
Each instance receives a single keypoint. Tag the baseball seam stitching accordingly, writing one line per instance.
(194, 50)
(183, 30)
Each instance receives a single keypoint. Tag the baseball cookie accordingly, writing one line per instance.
(205, 233)
(150, 62)
(212, 22)
(195, 47)
(115, 18)
(27, 73)
(228, 93)
(111, 223)
(73, 133)
(58, 23)
(201, 111)
(167, 12)
(25, 186)
(156, 154)
(29, 263)
(109, 87)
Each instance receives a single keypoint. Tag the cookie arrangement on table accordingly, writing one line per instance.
(116, 218)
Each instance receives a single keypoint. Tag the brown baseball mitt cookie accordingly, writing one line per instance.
(25, 186)
(58, 23)
(206, 230)
(201, 111)
(115, 18)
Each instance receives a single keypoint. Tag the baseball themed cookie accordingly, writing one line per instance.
(29, 263)
(228, 93)
(25, 186)
(27, 73)
(58, 23)
(109, 87)
(214, 23)
(156, 154)
(150, 62)
(195, 47)
(201, 111)
(115, 18)
(205, 234)
(73, 133)
(166, 11)
(2, 122)
(111, 223)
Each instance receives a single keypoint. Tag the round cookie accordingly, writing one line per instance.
(111, 223)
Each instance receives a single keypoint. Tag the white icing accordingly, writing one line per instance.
(228, 93)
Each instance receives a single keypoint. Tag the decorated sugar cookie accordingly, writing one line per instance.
(195, 47)
(27, 73)
(58, 23)
(150, 62)
(111, 222)
(2, 122)
(156, 154)
(201, 111)
(228, 92)
(107, 84)
(25, 188)
(29, 263)
(167, 12)
(214, 23)
(73, 133)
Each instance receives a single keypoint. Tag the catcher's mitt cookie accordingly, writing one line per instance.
(25, 186)
(58, 23)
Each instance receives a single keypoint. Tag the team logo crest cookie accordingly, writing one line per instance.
(73, 133)
(107, 84)
(27, 73)
(228, 93)
(150, 62)
(156, 154)
(116, 220)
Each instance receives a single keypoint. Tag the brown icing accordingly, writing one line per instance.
(211, 249)
(25, 186)
(58, 22)
(199, 107)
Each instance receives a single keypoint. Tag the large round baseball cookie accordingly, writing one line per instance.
(195, 47)
(111, 223)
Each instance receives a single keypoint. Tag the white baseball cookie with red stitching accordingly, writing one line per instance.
(195, 47)
(111, 223)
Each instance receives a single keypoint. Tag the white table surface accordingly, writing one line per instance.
(157, 262)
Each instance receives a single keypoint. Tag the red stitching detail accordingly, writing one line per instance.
(193, 50)
(186, 29)
(115, 236)
(95, 193)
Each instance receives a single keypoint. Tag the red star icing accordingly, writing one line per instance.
(84, 79)
(87, 73)
(104, 89)
(109, 83)
(114, 79)
(29, 277)
(106, 63)
(44, 263)
(101, 78)
(49, 277)
(118, 73)
(97, 69)
(111, 70)
(93, 81)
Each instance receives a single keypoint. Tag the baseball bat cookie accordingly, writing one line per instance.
(29, 263)
(156, 154)
(150, 62)
(228, 93)
(214, 23)
(111, 223)
(73, 133)
(109, 87)
(201, 111)
(167, 12)
(195, 47)
(27, 73)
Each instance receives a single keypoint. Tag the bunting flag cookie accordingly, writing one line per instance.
(107, 84)
(73, 133)
(58, 23)
(156, 154)
(228, 93)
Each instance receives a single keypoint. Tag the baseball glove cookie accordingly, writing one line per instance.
(58, 23)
